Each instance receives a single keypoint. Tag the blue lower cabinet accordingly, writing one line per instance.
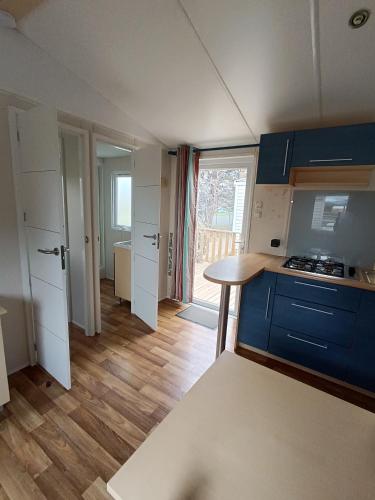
(317, 320)
(361, 366)
(257, 299)
(321, 292)
(320, 325)
(308, 351)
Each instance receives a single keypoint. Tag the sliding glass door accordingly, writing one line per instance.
(222, 222)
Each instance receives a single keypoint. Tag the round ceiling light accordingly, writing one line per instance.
(359, 18)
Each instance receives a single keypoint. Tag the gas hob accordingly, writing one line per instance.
(326, 267)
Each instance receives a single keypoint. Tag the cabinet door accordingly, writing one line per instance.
(256, 311)
(275, 153)
(320, 292)
(307, 351)
(351, 145)
(322, 322)
(361, 370)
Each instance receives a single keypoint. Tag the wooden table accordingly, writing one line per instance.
(247, 432)
(237, 270)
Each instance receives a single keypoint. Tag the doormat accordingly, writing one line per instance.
(201, 316)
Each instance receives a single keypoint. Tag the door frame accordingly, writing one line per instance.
(13, 112)
(97, 137)
(84, 137)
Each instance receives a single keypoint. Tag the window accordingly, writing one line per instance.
(121, 201)
(327, 211)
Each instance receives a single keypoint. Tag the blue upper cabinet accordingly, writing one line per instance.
(256, 311)
(349, 145)
(275, 153)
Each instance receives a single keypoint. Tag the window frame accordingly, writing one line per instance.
(114, 177)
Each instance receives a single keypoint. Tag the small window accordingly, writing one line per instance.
(121, 201)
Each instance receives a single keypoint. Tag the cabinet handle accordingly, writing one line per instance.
(286, 156)
(312, 309)
(268, 302)
(331, 159)
(322, 346)
(316, 286)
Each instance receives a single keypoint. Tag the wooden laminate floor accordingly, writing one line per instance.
(60, 444)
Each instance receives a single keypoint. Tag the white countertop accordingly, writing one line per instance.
(123, 244)
(247, 432)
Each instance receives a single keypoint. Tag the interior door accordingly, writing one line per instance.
(146, 233)
(42, 200)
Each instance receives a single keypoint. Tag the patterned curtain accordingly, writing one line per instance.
(185, 224)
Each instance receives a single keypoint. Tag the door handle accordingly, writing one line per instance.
(47, 251)
(329, 313)
(331, 159)
(286, 157)
(316, 286)
(155, 237)
(268, 302)
(322, 346)
(63, 252)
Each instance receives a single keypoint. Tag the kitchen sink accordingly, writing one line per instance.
(123, 244)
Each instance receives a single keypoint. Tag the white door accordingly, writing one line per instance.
(42, 200)
(146, 233)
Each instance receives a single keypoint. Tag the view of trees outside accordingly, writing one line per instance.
(216, 195)
(220, 207)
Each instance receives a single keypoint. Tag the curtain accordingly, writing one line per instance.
(185, 224)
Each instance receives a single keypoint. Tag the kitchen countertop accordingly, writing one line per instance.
(127, 245)
(245, 431)
(241, 269)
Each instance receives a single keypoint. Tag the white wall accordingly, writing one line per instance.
(111, 235)
(28, 71)
(11, 294)
(72, 157)
(270, 218)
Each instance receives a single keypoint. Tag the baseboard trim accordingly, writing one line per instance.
(19, 368)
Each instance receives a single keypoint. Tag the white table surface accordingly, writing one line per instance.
(247, 432)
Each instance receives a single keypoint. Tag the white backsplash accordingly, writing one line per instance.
(270, 218)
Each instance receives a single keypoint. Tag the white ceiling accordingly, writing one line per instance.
(105, 150)
(212, 72)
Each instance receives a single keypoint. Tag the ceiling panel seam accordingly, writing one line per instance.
(216, 69)
(315, 45)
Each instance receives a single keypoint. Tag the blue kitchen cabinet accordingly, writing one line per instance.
(320, 292)
(321, 356)
(348, 145)
(257, 299)
(361, 366)
(328, 324)
(275, 153)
